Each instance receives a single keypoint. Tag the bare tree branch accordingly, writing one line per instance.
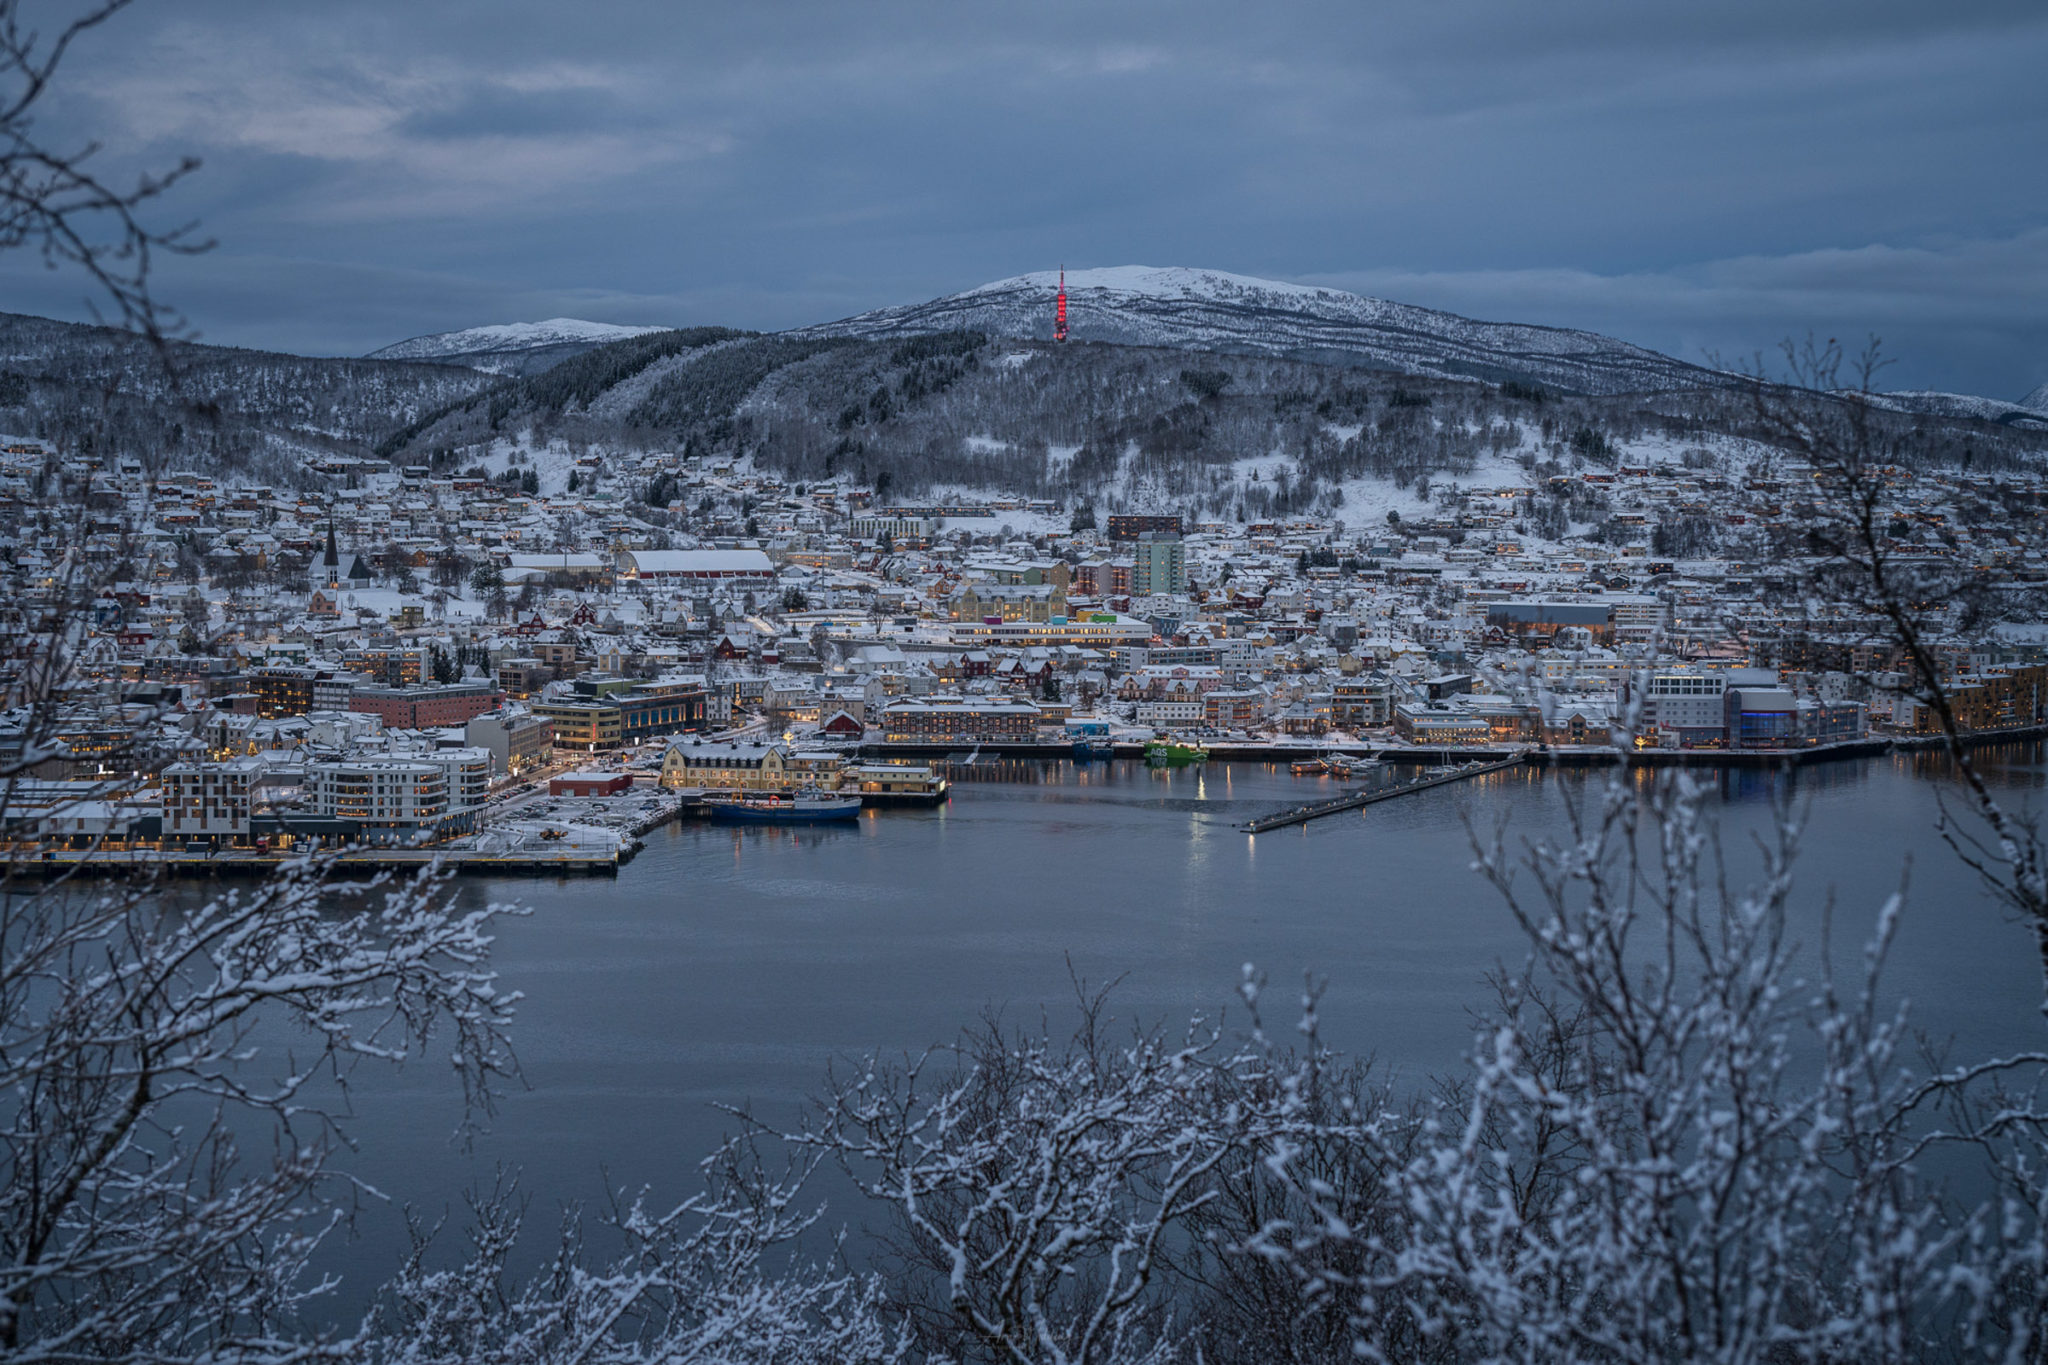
(54, 202)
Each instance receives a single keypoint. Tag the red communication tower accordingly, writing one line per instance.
(1059, 318)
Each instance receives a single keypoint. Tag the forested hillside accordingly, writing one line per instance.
(211, 408)
(1212, 432)
(1226, 434)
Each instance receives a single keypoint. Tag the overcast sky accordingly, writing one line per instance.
(1699, 178)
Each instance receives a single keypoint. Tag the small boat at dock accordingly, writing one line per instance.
(785, 807)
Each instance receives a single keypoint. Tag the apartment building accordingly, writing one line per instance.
(937, 719)
(211, 802)
(414, 708)
(402, 799)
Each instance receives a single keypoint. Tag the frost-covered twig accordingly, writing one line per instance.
(1670, 1148)
(720, 1277)
(132, 1219)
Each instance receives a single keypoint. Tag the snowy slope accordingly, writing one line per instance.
(512, 347)
(510, 336)
(2028, 411)
(1214, 310)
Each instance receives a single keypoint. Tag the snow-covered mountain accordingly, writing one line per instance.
(512, 347)
(2029, 411)
(1216, 311)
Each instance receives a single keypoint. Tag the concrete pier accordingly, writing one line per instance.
(1301, 815)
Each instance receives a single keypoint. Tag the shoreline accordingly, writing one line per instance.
(43, 863)
(1437, 754)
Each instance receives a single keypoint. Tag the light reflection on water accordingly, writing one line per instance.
(733, 965)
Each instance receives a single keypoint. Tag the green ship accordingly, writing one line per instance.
(1161, 753)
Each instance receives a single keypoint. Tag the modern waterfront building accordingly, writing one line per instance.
(402, 799)
(1440, 723)
(1691, 704)
(1765, 717)
(209, 801)
(1233, 708)
(2001, 697)
(1688, 706)
(1361, 703)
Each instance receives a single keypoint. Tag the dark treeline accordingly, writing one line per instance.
(217, 409)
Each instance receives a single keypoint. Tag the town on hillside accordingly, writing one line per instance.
(413, 664)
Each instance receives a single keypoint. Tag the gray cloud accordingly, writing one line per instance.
(1959, 298)
(1689, 177)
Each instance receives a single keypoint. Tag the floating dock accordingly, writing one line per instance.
(1301, 815)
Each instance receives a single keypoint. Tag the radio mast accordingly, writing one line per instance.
(1059, 317)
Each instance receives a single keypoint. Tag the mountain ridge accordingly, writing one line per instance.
(1190, 308)
(512, 348)
(1933, 403)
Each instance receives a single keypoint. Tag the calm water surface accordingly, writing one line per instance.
(732, 966)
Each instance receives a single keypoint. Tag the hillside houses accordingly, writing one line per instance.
(381, 617)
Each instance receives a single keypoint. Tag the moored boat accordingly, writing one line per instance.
(783, 807)
(1161, 753)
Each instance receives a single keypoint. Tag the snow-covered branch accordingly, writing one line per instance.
(1672, 1148)
(138, 1057)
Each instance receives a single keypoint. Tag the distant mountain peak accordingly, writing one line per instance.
(1187, 308)
(510, 336)
(1163, 280)
(2037, 400)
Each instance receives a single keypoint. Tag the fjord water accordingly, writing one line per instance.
(733, 966)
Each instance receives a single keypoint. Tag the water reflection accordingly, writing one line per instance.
(761, 840)
(728, 965)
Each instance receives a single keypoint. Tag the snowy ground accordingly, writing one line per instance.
(1363, 505)
(551, 460)
(1017, 523)
(387, 602)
